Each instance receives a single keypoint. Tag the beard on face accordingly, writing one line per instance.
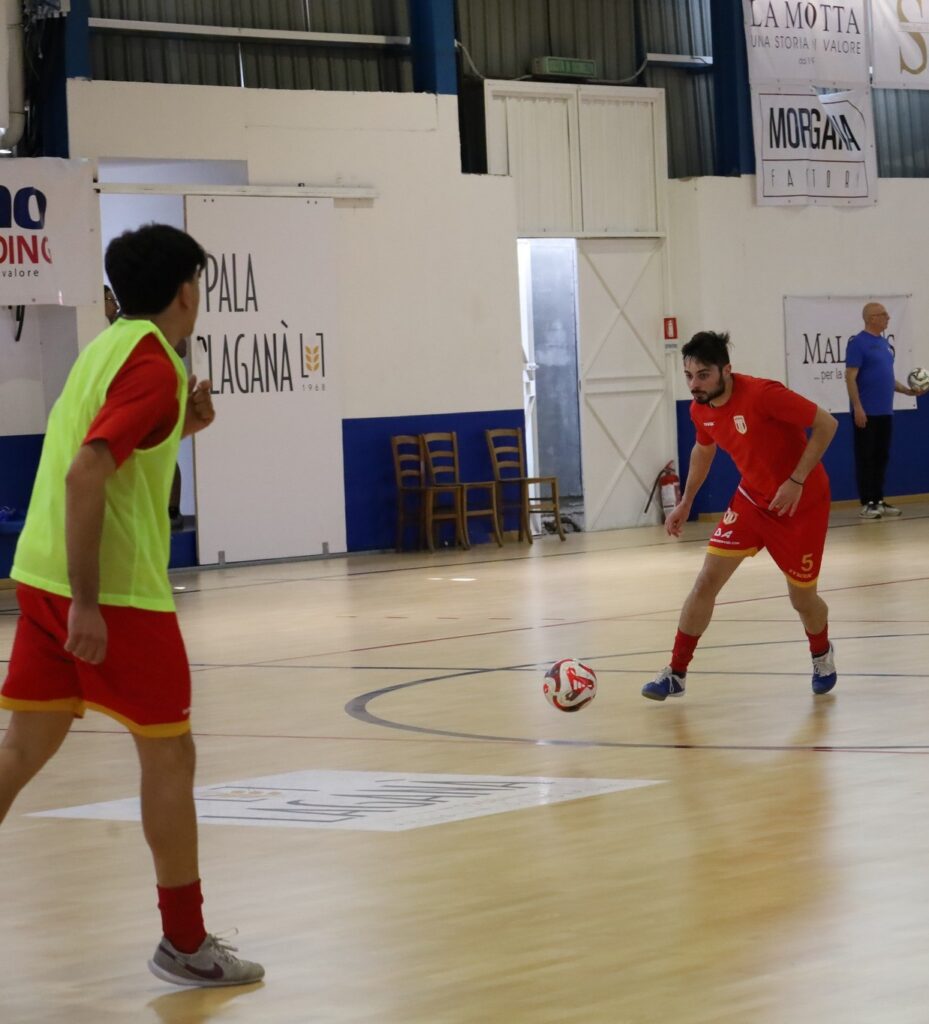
(703, 397)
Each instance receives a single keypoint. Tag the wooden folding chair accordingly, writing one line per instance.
(440, 456)
(428, 504)
(508, 457)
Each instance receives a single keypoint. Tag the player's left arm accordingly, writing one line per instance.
(902, 389)
(822, 431)
(200, 412)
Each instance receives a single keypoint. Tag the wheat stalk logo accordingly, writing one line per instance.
(311, 358)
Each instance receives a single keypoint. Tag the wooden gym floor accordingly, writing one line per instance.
(776, 871)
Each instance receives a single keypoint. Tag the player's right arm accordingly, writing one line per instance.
(851, 384)
(701, 458)
(85, 502)
(140, 411)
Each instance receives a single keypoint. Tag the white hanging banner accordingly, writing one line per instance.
(817, 331)
(814, 149)
(802, 42)
(268, 470)
(49, 234)
(900, 44)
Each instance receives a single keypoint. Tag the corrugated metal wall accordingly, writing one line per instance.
(670, 26)
(502, 37)
(901, 120)
(135, 57)
(368, 17)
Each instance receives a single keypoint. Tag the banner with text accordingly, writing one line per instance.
(49, 233)
(268, 471)
(803, 43)
(816, 334)
(900, 44)
(814, 149)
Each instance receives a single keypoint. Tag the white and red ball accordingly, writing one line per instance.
(569, 685)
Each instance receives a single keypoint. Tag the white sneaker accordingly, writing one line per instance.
(824, 673)
(214, 963)
(870, 511)
(665, 684)
(889, 510)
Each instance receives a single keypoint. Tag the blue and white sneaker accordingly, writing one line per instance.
(665, 684)
(824, 673)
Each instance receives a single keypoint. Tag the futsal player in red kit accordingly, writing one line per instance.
(781, 503)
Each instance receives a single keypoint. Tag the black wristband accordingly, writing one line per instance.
(798, 482)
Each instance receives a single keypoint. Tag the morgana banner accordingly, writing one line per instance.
(795, 42)
(900, 44)
(817, 331)
(814, 149)
(49, 235)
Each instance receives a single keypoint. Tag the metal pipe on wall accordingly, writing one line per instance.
(12, 81)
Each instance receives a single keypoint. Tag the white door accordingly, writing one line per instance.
(268, 471)
(527, 342)
(627, 424)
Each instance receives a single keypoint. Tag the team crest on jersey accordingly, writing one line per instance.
(740, 424)
(729, 517)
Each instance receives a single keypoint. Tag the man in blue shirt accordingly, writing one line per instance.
(869, 377)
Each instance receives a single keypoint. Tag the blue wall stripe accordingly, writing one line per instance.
(907, 473)
(19, 457)
(370, 490)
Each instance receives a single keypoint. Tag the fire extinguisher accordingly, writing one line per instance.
(670, 484)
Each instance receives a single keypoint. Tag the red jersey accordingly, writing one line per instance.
(763, 427)
(140, 410)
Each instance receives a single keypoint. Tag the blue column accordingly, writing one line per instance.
(432, 34)
(67, 55)
(735, 150)
(77, 40)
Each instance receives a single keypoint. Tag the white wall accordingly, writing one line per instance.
(22, 401)
(33, 369)
(732, 262)
(428, 292)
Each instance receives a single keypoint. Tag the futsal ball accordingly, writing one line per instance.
(569, 685)
(918, 379)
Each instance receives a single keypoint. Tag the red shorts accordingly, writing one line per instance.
(795, 542)
(143, 682)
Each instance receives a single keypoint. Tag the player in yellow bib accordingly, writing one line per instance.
(97, 627)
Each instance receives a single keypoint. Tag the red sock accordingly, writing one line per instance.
(819, 642)
(682, 655)
(182, 916)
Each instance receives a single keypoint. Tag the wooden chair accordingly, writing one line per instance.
(440, 457)
(508, 457)
(428, 504)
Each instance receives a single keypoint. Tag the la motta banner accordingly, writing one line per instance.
(814, 149)
(900, 44)
(817, 332)
(49, 241)
(803, 42)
